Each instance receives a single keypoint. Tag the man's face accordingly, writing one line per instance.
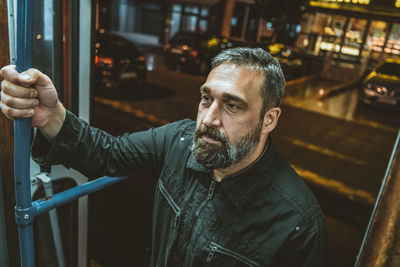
(228, 119)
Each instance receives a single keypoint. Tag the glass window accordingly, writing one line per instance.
(204, 12)
(237, 19)
(202, 25)
(353, 38)
(373, 47)
(189, 23)
(192, 9)
(175, 19)
(327, 31)
(393, 43)
(176, 8)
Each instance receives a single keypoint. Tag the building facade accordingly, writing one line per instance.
(351, 31)
(163, 18)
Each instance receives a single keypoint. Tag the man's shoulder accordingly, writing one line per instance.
(293, 192)
(297, 197)
(183, 126)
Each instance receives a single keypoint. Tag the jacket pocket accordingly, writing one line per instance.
(214, 248)
(177, 210)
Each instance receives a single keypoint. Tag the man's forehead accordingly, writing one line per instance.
(234, 79)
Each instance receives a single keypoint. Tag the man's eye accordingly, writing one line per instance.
(205, 98)
(232, 106)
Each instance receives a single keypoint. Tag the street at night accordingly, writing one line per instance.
(223, 168)
(338, 145)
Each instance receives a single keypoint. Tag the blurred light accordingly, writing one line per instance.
(150, 62)
(101, 30)
(234, 21)
(193, 53)
(269, 25)
(350, 51)
(142, 58)
(185, 47)
(298, 28)
(97, 45)
(104, 60)
(212, 42)
(165, 47)
(38, 37)
(321, 91)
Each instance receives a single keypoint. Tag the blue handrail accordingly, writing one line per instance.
(25, 210)
(22, 133)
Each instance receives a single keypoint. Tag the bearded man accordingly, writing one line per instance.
(224, 196)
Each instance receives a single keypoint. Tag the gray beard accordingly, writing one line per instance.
(226, 154)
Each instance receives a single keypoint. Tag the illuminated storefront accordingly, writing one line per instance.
(352, 30)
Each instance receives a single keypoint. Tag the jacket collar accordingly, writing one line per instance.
(244, 187)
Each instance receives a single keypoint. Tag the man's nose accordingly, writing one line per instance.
(212, 116)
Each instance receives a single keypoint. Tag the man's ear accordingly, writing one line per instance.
(270, 120)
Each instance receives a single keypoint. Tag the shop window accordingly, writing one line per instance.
(326, 33)
(354, 37)
(393, 43)
(374, 45)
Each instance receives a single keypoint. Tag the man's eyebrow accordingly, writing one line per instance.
(204, 89)
(236, 98)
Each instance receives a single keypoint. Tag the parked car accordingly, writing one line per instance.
(193, 51)
(117, 61)
(290, 60)
(381, 87)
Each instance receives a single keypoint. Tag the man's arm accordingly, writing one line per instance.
(31, 94)
(65, 139)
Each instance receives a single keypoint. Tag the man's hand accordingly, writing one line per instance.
(31, 94)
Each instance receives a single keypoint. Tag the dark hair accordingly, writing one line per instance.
(257, 59)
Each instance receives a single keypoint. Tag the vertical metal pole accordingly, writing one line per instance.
(22, 131)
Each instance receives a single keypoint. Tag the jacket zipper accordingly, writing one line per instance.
(197, 213)
(215, 248)
(208, 198)
(171, 202)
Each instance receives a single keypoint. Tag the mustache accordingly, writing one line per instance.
(210, 132)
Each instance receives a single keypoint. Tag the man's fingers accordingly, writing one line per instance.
(34, 76)
(18, 91)
(9, 73)
(13, 113)
(18, 103)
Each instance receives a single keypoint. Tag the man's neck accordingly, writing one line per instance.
(220, 174)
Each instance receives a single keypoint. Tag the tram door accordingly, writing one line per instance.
(62, 34)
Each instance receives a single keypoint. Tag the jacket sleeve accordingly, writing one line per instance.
(96, 153)
(305, 248)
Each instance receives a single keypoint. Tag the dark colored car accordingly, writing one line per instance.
(117, 61)
(193, 51)
(381, 87)
(290, 60)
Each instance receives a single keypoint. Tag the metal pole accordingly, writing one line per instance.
(22, 131)
(381, 244)
(44, 205)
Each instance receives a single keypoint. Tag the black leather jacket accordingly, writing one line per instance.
(263, 216)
